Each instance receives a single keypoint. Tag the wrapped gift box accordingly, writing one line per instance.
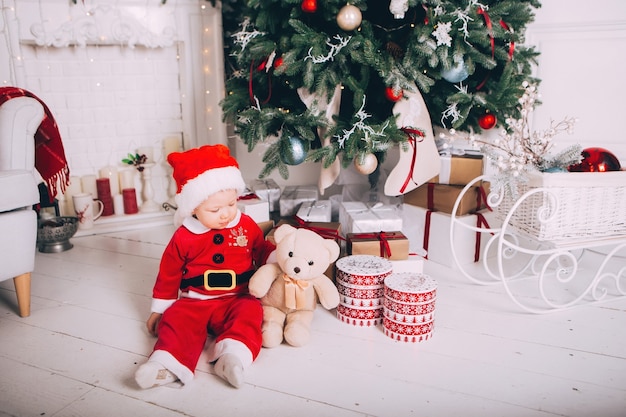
(360, 282)
(409, 306)
(441, 197)
(254, 207)
(315, 211)
(328, 230)
(293, 196)
(431, 232)
(390, 245)
(358, 217)
(459, 169)
(413, 263)
(268, 190)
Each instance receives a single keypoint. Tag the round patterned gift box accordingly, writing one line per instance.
(410, 288)
(361, 302)
(361, 317)
(360, 292)
(408, 332)
(408, 318)
(415, 309)
(363, 270)
(409, 306)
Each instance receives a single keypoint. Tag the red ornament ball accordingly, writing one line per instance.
(393, 95)
(596, 160)
(487, 121)
(309, 6)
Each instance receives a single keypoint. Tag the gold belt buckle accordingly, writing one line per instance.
(221, 278)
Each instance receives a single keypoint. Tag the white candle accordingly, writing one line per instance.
(118, 204)
(110, 172)
(127, 178)
(171, 144)
(88, 183)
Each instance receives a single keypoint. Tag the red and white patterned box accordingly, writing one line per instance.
(359, 316)
(360, 283)
(406, 332)
(360, 292)
(409, 287)
(409, 306)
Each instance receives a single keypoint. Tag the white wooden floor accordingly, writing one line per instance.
(77, 352)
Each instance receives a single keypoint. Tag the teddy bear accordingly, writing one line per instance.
(290, 287)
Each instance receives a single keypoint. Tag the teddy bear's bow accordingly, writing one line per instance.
(294, 292)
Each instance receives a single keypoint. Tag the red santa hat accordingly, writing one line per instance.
(201, 172)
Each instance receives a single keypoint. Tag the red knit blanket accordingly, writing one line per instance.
(50, 159)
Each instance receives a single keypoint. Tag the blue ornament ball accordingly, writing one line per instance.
(457, 73)
(293, 150)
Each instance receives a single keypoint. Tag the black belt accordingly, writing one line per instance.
(222, 279)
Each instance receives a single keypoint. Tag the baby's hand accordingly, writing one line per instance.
(153, 322)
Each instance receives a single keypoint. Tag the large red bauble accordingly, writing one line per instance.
(309, 6)
(393, 95)
(596, 160)
(487, 121)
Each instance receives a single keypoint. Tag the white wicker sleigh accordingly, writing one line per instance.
(569, 206)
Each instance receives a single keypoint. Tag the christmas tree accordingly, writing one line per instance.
(319, 79)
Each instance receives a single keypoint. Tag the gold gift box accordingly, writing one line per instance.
(459, 169)
(374, 244)
(444, 196)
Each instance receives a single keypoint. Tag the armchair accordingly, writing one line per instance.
(20, 118)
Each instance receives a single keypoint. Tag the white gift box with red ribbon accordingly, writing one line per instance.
(254, 207)
(429, 234)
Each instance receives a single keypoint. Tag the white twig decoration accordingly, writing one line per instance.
(334, 50)
(360, 125)
(244, 36)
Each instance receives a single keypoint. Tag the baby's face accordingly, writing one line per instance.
(217, 211)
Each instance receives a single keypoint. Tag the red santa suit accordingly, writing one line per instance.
(210, 269)
(215, 303)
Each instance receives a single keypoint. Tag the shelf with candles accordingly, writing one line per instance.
(118, 223)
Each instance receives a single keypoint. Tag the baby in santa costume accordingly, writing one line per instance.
(202, 286)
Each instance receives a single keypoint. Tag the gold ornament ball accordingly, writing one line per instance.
(367, 164)
(349, 17)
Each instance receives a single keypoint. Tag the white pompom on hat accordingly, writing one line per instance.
(201, 172)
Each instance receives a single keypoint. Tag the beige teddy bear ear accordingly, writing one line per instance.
(282, 232)
(333, 249)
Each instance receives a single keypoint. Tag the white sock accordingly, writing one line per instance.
(230, 368)
(153, 374)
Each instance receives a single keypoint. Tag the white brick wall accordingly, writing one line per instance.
(108, 101)
(111, 97)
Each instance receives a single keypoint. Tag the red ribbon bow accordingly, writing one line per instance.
(325, 232)
(250, 196)
(382, 237)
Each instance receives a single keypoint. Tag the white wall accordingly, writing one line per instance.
(118, 75)
(583, 56)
